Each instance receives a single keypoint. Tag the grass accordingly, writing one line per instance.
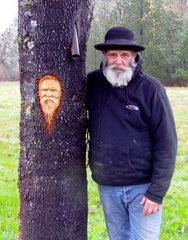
(9, 152)
(175, 214)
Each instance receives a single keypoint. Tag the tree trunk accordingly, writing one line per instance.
(52, 172)
(141, 17)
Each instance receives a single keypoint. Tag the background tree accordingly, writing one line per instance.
(181, 58)
(158, 25)
(52, 173)
(9, 53)
(100, 24)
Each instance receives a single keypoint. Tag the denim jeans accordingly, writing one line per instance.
(123, 213)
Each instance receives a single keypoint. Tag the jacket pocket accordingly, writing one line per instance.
(110, 163)
(141, 159)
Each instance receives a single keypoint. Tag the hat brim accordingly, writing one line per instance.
(106, 46)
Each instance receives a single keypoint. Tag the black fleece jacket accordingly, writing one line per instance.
(132, 133)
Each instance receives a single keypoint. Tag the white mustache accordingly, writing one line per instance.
(118, 67)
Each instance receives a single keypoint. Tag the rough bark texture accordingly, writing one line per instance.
(52, 173)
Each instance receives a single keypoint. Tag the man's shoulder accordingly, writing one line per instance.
(151, 80)
(93, 73)
(94, 79)
(153, 84)
(94, 83)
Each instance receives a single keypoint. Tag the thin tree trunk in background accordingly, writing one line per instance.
(52, 172)
(141, 17)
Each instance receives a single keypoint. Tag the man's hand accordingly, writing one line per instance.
(149, 206)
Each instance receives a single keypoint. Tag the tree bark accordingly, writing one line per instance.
(52, 172)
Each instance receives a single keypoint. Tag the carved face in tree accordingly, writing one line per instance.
(49, 98)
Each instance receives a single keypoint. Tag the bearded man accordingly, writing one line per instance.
(133, 139)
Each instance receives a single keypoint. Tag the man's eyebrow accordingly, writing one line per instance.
(113, 53)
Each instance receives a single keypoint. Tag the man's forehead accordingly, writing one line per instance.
(118, 51)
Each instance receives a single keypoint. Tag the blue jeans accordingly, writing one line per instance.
(123, 213)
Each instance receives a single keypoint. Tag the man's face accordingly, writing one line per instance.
(50, 94)
(118, 66)
(119, 57)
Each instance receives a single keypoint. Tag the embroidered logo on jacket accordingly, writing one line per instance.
(132, 107)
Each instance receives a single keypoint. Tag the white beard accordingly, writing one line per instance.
(118, 76)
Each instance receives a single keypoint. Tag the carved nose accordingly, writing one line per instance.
(48, 93)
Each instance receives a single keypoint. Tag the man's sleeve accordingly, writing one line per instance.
(164, 141)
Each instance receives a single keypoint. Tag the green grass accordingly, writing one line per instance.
(175, 209)
(9, 152)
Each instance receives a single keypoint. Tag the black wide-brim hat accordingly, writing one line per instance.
(119, 38)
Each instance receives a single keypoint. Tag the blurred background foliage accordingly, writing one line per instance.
(160, 25)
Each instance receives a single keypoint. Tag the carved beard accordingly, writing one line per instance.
(118, 76)
(49, 115)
